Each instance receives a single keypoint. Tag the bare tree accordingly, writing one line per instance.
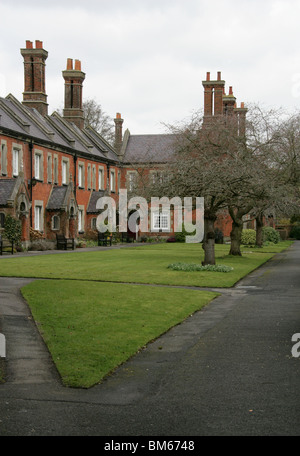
(95, 117)
(207, 163)
(244, 174)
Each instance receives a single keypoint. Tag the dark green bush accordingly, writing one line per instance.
(12, 229)
(181, 237)
(271, 235)
(295, 232)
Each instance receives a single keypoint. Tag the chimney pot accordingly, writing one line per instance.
(118, 116)
(69, 64)
(77, 65)
(38, 44)
(230, 90)
(242, 104)
(219, 76)
(29, 44)
(208, 76)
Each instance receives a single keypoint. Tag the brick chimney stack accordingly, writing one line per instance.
(74, 78)
(229, 102)
(34, 95)
(213, 96)
(118, 132)
(241, 119)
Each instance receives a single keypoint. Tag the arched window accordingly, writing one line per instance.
(55, 222)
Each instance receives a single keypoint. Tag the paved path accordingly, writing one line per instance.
(227, 370)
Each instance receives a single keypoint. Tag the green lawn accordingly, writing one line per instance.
(91, 327)
(146, 264)
(93, 317)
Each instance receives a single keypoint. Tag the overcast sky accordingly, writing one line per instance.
(147, 58)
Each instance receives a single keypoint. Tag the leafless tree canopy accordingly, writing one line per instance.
(248, 173)
(95, 117)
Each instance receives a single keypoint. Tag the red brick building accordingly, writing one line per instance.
(53, 169)
(50, 165)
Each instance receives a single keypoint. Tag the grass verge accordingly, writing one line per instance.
(90, 328)
(147, 264)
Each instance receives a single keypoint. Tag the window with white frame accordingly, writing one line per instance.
(16, 161)
(38, 166)
(157, 177)
(94, 177)
(55, 169)
(80, 220)
(80, 176)
(112, 181)
(3, 158)
(64, 177)
(161, 221)
(49, 168)
(38, 221)
(100, 179)
(131, 176)
(89, 176)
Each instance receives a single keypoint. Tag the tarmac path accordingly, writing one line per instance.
(228, 370)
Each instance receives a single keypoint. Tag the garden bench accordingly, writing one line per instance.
(104, 239)
(6, 246)
(126, 238)
(64, 243)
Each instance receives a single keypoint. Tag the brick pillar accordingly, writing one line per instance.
(118, 133)
(74, 78)
(34, 95)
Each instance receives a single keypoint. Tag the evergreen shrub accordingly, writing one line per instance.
(248, 237)
(295, 232)
(271, 235)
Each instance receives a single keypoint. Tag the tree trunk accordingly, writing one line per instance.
(259, 230)
(236, 236)
(236, 232)
(237, 228)
(209, 239)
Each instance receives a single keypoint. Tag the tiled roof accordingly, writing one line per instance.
(149, 148)
(57, 198)
(93, 201)
(54, 130)
(6, 190)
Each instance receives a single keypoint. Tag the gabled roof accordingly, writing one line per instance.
(6, 190)
(93, 201)
(57, 198)
(149, 148)
(53, 130)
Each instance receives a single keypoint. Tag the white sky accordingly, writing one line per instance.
(147, 58)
